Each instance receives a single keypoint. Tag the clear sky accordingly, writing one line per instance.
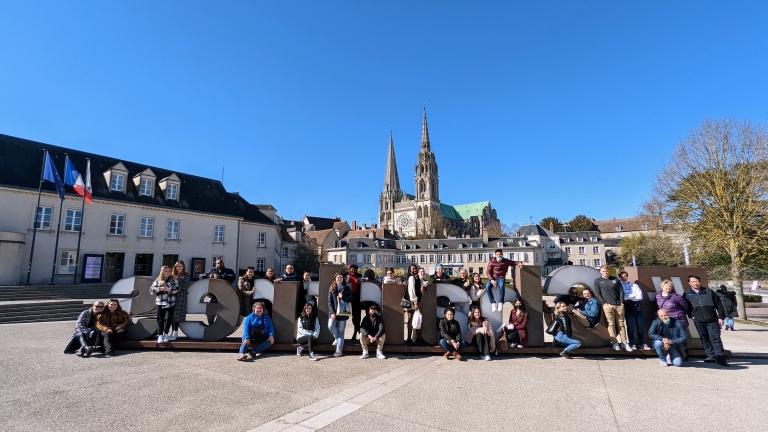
(543, 107)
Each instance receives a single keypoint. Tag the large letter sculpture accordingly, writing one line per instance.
(226, 309)
(139, 306)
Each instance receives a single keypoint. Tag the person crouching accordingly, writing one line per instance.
(258, 333)
(372, 331)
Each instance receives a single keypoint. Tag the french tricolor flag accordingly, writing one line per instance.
(74, 179)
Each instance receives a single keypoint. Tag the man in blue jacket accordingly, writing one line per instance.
(668, 336)
(258, 333)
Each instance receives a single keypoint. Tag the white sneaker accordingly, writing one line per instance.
(364, 355)
(173, 336)
(487, 358)
(663, 363)
(616, 347)
(628, 347)
(337, 353)
(334, 342)
(160, 339)
(646, 347)
(493, 307)
(299, 350)
(312, 356)
(380, 355)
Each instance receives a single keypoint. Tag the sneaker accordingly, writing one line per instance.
(160, 339)
(721, 361)
(634, 347)
(241, 357)
(519, 346)
(646, 347)
(364, 355)
(709, 360)
(380, 355)
(253, 355)
(565, 354)
(493, 307)
(628, 347)
(334, 342)
(173, 336)
(616, 347)
(663, 363)
(487, 358)
(88, 351)
(312, 356)
(337, 353)
(299, 350)
(511, 345)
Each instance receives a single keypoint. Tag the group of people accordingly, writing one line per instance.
(622, 303)
(620, 300)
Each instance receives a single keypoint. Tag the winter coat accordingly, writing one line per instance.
(180, 285)
(675, 305)
(728, 299)
(346, 297)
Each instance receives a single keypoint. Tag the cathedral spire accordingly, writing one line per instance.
(424, 132)
(391, 179)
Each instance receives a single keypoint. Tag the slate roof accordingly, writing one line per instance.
(449, 212)
(321, 223)
(626, 224)
(535, 229)
(21, 162)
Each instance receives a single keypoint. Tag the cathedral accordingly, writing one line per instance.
(423, 215)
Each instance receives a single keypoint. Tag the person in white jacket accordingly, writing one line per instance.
(633, 312)
(307, 331)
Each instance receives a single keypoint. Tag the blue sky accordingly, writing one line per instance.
(544, 108)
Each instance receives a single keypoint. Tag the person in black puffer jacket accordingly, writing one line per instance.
(564, 332)
(728, 299)
(707, 314)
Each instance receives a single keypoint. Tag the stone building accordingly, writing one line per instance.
(142, 217)
(423, 215)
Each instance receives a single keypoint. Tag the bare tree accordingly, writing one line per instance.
(715, 188)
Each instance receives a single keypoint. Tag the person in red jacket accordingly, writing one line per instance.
(518, 317)
(354, 279)
(495, 271)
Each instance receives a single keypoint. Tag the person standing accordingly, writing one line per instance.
(339, 294)
(463, 280)
(707, 314)
(258, 333)
(270, 274)
(669, 337)
(728, 299)
(112, 323)
(165, 299)
(372, 331)
(475, 290)
(633, 310)
(220, 271)
(610, 294)
(496, 272)
(412, 297)
(354, 280)
(389, 277)
(440, 275)
(289, 275)
(246, 288)
(180, 284)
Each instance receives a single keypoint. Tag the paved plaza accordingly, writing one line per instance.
(45, 390)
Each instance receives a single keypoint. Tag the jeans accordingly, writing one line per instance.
(449, 347)
(570, 343)
(254, 347)
(729, 321)
(674, 353)
(164, 319)
(710, 337)
(614, 314)
(306, 342)
(500, 283)
(635, 325)
(337, 330)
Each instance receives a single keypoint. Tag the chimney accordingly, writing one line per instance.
(354, 225)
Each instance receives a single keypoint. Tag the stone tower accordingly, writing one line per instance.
(391, 193)
(427, 190)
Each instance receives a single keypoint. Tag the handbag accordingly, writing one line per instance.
(553, 327)
(406, 304)
(417, 320)
(344, 309)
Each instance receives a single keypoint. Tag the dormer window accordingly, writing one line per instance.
(115, 177)
(593, 239)
(170, 185)
(117, 182)
(619, 228)
(145, 182)
(146, 186)
(580, 239)
(645, 227)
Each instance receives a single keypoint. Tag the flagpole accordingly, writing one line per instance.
(34, 223)
(80, 232)
(58, 226)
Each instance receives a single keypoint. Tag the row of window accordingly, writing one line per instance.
(67, 262)
(579, 239)
(73, 221)
(583, 250)
(146, 186)
(424, 258)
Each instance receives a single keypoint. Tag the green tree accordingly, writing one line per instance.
(552, 223)
(716, 189)
(582, 223)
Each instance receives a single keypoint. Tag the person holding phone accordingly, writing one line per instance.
(339, 296)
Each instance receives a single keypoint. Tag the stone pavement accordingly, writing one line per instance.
(45, 390)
